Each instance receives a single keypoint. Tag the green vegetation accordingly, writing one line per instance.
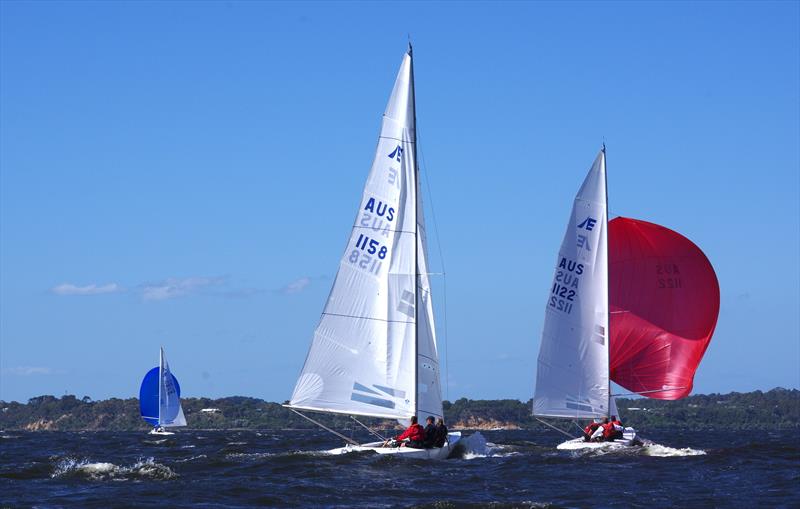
(778, 408)
(775, 409)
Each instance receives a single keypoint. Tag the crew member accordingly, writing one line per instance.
(415, 435)
(608, 429)
(597, 436)
(618, 428)
(441, 434)
(430, 432)
(589, 430)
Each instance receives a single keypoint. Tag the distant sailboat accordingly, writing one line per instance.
(374, 350)
(160, 398)
(647, 336)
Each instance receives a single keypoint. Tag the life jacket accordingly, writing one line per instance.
(415, 433)
(608, 430)
(591, 428)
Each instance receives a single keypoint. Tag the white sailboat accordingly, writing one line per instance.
(160, 398)
(374, 350)
(572, 380)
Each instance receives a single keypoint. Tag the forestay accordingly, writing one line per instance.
(364, 358)
(572, 378)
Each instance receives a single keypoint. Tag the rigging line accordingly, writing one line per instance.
(348, 440)
(423, 411)
(646, 392)
(365, 318)
(380, 230)
(375, 433)
(397, 139)
(555, 428)
(444, 278)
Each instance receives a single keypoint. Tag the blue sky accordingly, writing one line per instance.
(186, 175)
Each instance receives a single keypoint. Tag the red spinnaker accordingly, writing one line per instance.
(663, 302)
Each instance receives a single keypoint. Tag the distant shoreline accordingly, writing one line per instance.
(775, 409)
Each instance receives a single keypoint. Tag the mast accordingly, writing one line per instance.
(608, 287)
(416, 235)
(160, 380)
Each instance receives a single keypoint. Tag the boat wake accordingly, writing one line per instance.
(475, 446)
(71, 468)
(255, 456)
(645, 448)
(662, 451)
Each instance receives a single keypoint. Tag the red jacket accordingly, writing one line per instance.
(414, 432)
(591, 428)
(608, 429)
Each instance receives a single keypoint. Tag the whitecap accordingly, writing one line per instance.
(662, 451)
(99, 471)
(192, 458)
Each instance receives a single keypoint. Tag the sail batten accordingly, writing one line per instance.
(572, 376)
(364, 357)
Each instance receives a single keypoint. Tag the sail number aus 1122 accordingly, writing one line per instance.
(565, 302)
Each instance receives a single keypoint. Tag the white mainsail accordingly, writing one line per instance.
(374, 347)
(572, 379)
(170, 412)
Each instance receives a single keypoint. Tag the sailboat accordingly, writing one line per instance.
(160, 398)
(642, 318)
(374, 349)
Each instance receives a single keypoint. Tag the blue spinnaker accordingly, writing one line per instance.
(148, 399)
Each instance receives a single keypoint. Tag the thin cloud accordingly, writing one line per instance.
(178, 287)
(296, 286)
(92, 289)
(28, 371)
(165, 289)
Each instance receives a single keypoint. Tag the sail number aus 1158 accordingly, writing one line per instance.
(368, 254)
(371, 246)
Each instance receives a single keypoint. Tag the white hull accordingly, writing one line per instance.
(578, 444)
(405, 452)
(156, 432)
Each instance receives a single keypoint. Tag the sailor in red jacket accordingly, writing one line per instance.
(616, 428)
(613, 429)
(597, 436)
(589, 430)
(415, 434)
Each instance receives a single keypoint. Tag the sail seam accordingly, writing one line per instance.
(397, 139)
(381, 229)
(366, 318)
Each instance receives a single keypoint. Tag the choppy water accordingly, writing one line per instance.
(280, 468)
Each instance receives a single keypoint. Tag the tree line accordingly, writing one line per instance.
(775, 409)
